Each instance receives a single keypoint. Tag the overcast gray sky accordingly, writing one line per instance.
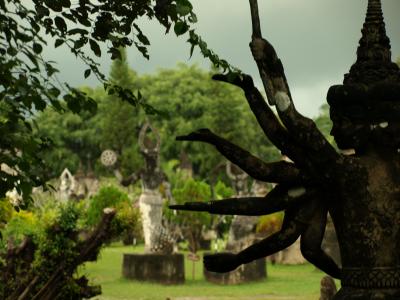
(316, 40)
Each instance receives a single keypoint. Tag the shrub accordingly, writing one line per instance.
(22, 223)
(270, 224)
(43, 266)
(108, 196)
(127, 220)
(6, 211)
(192, 223)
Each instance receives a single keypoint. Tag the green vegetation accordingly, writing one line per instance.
(188, 99)
(289, 282)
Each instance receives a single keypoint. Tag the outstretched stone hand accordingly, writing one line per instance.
(193, 206)
(221, 262)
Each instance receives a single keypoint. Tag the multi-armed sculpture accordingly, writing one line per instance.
(361, 191)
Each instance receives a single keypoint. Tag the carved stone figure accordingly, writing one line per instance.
(359, 188)
(241, 232)
(67, 185)
(151, 177)
(328, 288)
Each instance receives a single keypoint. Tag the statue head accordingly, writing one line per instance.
(149, 142)
(365, 109)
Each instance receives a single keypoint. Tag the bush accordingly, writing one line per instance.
(21, 224)
(6, 211)
(270, 224)
(129, 223)
(50, 257)
(192, 223)
(108, 196)
(127, 220)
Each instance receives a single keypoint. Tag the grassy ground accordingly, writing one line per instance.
(283, 282)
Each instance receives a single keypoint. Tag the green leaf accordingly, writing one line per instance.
(79, 43)
(42, 10)
(58, 43)
(60, 23)
(115, 54)
(50, 70)
(183, 9)
(95, 47)
(87, 73)
(55, 92)
(65, 3)
(53, 5)
(192, 18)
(37, 48)
(12, 51)
(180, 28)
(77, 31)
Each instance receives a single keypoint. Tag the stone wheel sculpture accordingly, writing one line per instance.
(108, 158)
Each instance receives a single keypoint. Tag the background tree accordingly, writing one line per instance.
(74, 137)
(324, 123)
(28, 84)
(192, 100)
(118, 121)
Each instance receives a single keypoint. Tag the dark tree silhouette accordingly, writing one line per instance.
(360, 191)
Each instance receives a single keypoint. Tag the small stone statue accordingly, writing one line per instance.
(328, 288)
(67, 185)
(241, 232)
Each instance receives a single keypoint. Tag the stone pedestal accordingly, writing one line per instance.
(292, 255)
(254, 271)
(159, 268)
(150, 204)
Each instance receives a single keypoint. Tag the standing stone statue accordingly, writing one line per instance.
(67, 185)
(151, 177)
(328, 288)
(241, 232)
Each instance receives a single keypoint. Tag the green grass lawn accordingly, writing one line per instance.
(283, 282)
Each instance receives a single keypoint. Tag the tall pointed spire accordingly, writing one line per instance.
(373, 52)
(374, 43)
(368, 90)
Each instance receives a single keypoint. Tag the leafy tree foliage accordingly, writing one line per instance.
(192, 223)
(28, 83)
(189, 100)
(192, 101)
(324, 123)
(74, 138)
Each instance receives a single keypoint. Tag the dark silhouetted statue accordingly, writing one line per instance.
(361, 191)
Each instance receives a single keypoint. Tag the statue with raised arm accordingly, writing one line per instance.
(359, 186)
(151, 177)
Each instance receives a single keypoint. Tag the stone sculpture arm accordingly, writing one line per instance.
(302, 129)
(292, 228)
(267, 119)
(279, 172)
(131, 179)
(278, 199)
(311, 240)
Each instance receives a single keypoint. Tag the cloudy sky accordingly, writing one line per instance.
(316, 40)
